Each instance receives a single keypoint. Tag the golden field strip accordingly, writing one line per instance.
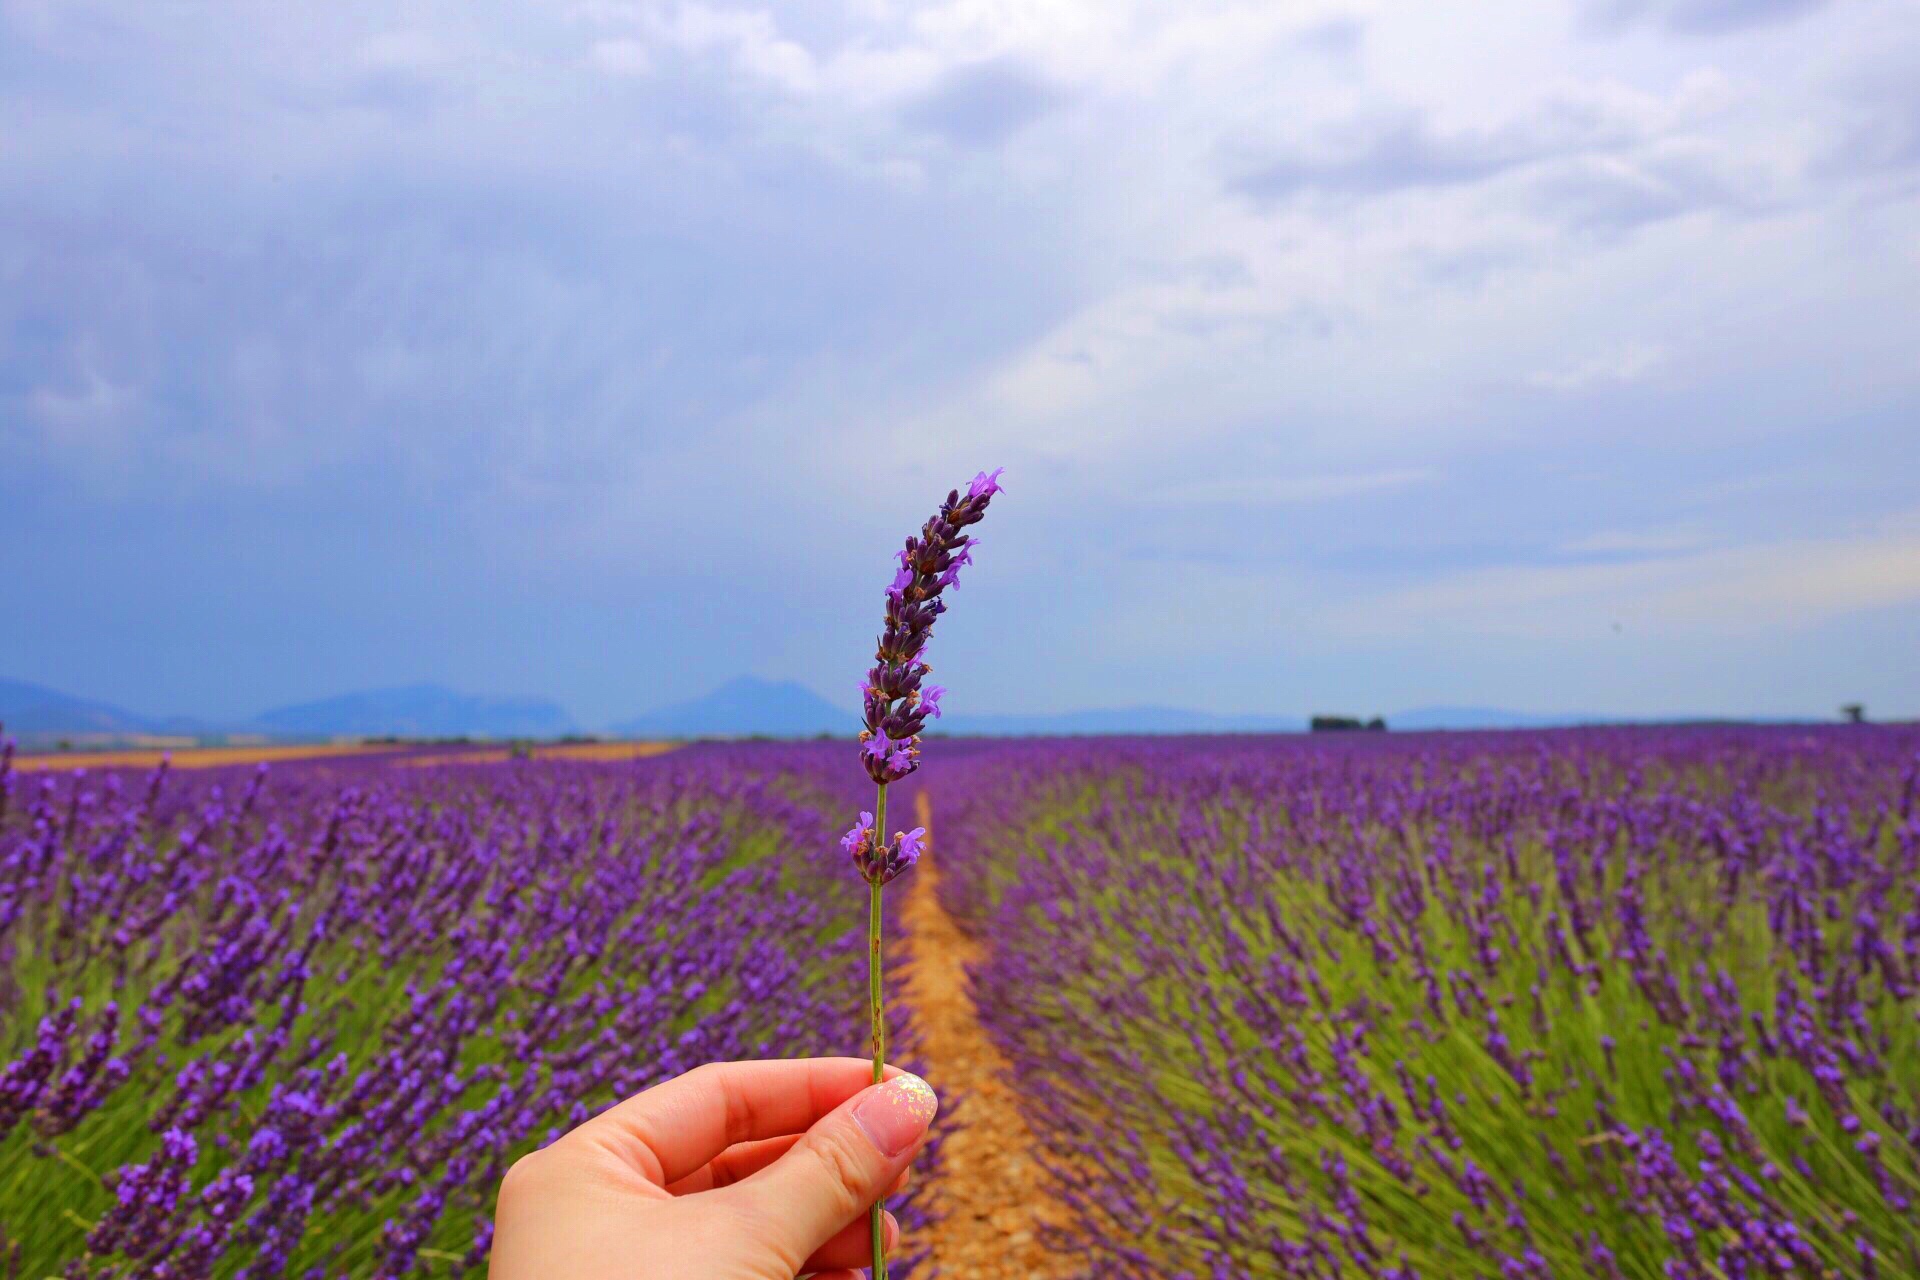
(599, 751)
(193, 757)
(215, 757)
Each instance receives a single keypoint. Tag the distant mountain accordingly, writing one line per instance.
(33, 710)
(1490, 718)
(739, 708)
(1147, 719)
(417, 711)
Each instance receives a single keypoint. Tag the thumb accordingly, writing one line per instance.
(839, 1168)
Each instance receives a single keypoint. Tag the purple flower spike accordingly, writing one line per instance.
(895, 706)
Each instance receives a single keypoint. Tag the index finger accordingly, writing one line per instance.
(675, 1128)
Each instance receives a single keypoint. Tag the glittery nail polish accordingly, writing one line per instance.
(894, 1115)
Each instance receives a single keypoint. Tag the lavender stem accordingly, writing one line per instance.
(896, 704)
(876, 1218)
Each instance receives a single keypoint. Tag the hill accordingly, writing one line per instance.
(744, 706)
(35, 711)
(417, 711)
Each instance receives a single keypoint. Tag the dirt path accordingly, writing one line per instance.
(991, 1188)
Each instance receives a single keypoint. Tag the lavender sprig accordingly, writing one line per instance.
(898, 701)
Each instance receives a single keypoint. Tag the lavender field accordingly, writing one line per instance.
(1612, 1003)
(298, 1020)
(1620, 1003)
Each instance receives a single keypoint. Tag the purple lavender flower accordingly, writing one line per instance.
(894, 705)
(861, 833)
(911, 844)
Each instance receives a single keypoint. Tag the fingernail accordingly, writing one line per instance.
(895, 1114)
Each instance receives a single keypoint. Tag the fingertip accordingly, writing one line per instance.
(895, 1115)
(821, 1189)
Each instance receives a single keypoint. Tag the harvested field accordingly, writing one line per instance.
(589, 752)
(219, 757)
(197, 757)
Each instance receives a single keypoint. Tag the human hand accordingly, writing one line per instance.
(733, 1171)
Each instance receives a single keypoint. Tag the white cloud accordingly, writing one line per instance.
(1785, 585)
(622, 55)
(1630, 363)
(753, 39)
(87, 409)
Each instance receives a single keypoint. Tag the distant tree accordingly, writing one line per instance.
(1855, 712)
(1346, 724)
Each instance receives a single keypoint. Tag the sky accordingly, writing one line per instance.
(1546, 354)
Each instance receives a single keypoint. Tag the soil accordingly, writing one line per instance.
(193, 757)
(991, 1191)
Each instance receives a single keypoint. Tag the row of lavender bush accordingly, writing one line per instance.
(298, 1021)
(1625, 1003)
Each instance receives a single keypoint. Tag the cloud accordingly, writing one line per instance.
(1258, 491)
(622, 56)
(1694, 16)
(1630, 363)
(1877, 131)
(1602, 160)
(1613, 194)
(750, 39)
(1788, 584)
(1393, 151)
(984, 103)
(1339, 38)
